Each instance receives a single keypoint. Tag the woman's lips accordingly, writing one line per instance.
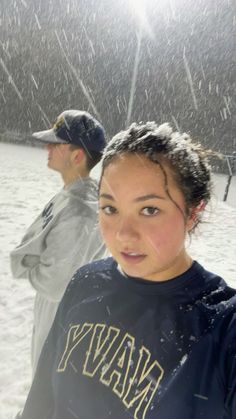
(132, 257)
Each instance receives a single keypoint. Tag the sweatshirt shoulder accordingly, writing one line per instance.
(83, 189)
(215, 299)
(217, 286)
(82, 197)
(91, 279)
(96, 268)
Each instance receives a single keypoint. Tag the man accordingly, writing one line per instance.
(65, 235)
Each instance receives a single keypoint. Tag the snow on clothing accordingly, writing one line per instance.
(122, 348)
(64, 237)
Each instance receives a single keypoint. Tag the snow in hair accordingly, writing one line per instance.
(189, 160)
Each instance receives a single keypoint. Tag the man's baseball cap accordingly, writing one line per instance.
(75, 127)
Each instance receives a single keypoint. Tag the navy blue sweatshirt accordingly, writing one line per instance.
(123, 347)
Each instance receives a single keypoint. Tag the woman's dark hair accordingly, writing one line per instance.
(188, 160)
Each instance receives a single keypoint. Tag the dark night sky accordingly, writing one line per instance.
(60, 54)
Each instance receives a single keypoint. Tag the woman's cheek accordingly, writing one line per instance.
(105, 227)
(159, 235)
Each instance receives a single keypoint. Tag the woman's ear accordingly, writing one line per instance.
(194, 215)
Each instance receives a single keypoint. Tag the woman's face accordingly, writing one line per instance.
(141, 225)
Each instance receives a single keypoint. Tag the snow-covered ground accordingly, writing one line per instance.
(26, 185)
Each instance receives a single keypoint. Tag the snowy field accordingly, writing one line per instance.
(26, 185)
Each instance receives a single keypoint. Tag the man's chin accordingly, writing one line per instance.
(50, 165)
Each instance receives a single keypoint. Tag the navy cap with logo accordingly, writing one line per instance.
(75, 127)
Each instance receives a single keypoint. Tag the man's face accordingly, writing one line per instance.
(59, 157)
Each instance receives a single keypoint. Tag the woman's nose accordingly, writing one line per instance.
(127, 230)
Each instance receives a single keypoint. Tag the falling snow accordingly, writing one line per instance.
(168, 61)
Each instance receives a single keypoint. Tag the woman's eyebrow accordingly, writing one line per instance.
(106, 196)
(147, 197)
(138, 199)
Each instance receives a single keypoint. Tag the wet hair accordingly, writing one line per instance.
(188, 160)
(92, 157)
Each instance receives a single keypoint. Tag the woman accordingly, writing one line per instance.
(147, 333)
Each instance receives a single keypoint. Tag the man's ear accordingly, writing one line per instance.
(78, 156)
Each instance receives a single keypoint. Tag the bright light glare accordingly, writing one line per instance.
(138, 7)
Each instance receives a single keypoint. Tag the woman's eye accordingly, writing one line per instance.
(109, 210)
(150, 211)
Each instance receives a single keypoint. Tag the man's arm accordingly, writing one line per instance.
(26, 254)
(71, 243)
